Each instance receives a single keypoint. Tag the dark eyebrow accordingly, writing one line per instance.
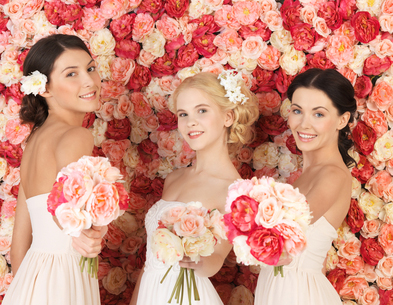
(312, 109)
(200, 105)
(74, 67)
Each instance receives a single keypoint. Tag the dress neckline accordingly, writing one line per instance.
(39, 195)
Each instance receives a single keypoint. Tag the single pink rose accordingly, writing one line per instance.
(269, 58)
(114, 237)
(190, 225)
(378, 183)
(350, 249)
(370, 296)
(246, 12)
(229, 41)
(353, 287)
(77, 188)
(123, 108)
(225, 18)
(371, 228)
(122, 69)
(131, 244)
(143, 26)
(72, 220)
(385, 238)
(340, 50)
(141, 104)
(103, 205)
(294, 238)
(115, 150)
(170, 216)
(351, 266)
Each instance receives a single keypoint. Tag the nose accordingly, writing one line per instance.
(191, 121)
(88, 80)
(305, 123)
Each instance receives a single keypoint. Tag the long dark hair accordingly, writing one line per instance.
(342, 94)
(42, 57)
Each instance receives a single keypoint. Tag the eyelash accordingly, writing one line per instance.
(90, 69)
(297, 111)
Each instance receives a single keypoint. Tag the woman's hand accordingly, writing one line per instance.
(284, 260)
(88, 244)
(186, 262)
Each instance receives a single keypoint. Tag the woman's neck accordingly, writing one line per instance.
(322, 156)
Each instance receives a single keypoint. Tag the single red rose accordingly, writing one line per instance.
(167, 120)
(263, 80)
(157, 15)
(226, 274)
(186, 56)
(363, 86)
(328, 11)
(157, 186)
(15, 190)
(141, 258)
(71, 13)
(148, 151)
(163, 66)
(140, 78)
(246, 278)
(366, 27)
(123, 196)
(373, 65)
(283, 81)
(172, 46)
(141, 185)
(273, 125)
(88, 3)
(122, 26)
(385, 297)
(2, 87)
(3, 21)
(290, 13)
(291, 145)
(77, 24)
(150, 6)
(355, 217)
(260, 137)
(337, 277)
(246, 171)
(97, 152)
(259, 28)
(320, 61)
(205, 24)
(53, 12)
(118, 129)
(204, 45)
(11, 153)
(371, 251)
(266, 245)
(14, 92)
(346, 8)
(364, 138)
(242, 215)
(22, 57)
(56, 196)
(89, 119)
(304, 36)
(176, 8)
(127, 48)
(363, 170)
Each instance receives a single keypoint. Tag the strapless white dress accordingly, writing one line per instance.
(151, 292)
(303, 282)
(50, 272)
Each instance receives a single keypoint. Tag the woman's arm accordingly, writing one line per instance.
(134, 298)
(22, 234)
(209, 265)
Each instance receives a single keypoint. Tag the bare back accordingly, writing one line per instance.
(40, 164)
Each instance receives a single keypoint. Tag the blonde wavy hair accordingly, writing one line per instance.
(241, 131)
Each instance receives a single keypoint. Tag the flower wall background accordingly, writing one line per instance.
(145, 48)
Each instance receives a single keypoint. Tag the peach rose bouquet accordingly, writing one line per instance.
(265, 221)
(186, 230)
(87, 193)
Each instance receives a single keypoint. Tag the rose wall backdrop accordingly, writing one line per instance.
(145, 48)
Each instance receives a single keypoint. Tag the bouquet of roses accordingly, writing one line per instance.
(189, 230)
(266, 220)
(87, 193)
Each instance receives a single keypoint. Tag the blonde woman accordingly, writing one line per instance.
(208, 121)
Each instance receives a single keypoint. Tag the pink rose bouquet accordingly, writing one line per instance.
(87, 193)
(191, 231)
(265, 221)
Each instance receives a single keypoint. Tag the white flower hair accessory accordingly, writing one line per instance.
(229, 79)
(35, 83)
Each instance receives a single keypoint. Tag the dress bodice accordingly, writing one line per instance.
(319, 240)
(47, 236)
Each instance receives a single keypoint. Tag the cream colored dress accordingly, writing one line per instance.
(151, 291)
(303, 282)
(50, 273)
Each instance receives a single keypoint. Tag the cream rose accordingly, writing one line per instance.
(115, 280)
(266, 154)
(383, 147)
(370, 204)
(98, 130)
(102, 42)
(73, 220)
(127, 223)
(281, 40)
(360, 54)
(104, 66)
(194, 247)
(167, 247)
(242, 251)
(292, 61)
(154, 43)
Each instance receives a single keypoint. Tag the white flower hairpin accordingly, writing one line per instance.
(34, 83)
(229, 79)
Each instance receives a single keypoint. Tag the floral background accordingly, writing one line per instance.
(145, 48)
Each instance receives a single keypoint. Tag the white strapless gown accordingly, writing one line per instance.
(50, 272)
(303, 282)
(151, 292)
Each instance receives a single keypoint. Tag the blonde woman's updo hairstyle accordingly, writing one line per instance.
(241, 131)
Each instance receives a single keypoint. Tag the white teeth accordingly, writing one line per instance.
(195, 133)
(306, 136)
(87, 95)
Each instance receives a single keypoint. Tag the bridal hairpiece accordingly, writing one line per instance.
(229, 79)
(34, 83)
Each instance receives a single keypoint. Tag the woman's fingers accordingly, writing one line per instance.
(88, 243)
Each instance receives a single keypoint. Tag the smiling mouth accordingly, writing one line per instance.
(87, 95)
(195, 133)
(305, 136)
